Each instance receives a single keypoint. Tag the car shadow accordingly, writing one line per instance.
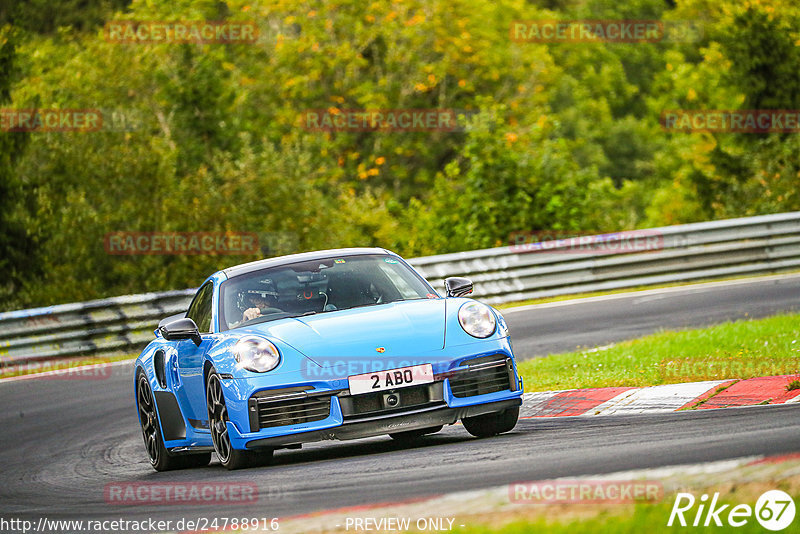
(321, 451)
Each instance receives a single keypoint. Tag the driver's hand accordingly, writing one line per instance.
(251, 313)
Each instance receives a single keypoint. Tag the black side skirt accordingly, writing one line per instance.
(170, 416)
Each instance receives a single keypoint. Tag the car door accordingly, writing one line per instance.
(191, 389)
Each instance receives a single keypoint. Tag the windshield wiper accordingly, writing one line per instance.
(304, 314)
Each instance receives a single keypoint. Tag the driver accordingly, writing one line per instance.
(259, 302)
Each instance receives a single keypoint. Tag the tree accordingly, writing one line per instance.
(17, 251)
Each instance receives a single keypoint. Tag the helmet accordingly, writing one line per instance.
(263, 289)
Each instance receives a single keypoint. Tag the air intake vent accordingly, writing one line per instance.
(395, 401)
(482, 376)
(287, 407)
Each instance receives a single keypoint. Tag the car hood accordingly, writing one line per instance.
(405, 328)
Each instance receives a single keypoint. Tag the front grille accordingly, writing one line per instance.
(374, 402)
(408, 398)
(287, 407)
(482, 376)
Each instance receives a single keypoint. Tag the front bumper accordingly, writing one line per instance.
(322, 409)
(413, 420)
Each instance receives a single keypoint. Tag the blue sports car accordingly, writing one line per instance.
(337, 344)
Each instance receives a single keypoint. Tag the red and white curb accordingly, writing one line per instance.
(660, 399)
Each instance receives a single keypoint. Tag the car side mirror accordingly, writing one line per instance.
(181, 329)
(457, 286)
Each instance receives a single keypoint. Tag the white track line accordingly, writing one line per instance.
(655, 399)
(795, 399)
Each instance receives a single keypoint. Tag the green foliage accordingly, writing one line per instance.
(46, 16)
(16, 251)
(210, 137)
(496, 185)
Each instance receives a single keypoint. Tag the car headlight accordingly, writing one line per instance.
(256, 354)
(477, 319)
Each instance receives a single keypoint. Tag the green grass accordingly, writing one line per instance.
(649, 518)
(741, 349)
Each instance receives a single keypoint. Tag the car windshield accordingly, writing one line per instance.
(319, 286)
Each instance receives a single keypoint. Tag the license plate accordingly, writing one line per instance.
(391, 379)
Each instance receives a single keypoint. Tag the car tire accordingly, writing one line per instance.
(228, 456)
(491, 424)
(411, 435)
(159, 456)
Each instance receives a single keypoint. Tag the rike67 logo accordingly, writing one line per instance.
(774, 510)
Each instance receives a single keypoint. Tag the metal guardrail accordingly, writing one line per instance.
(108, 326)
(708, 250)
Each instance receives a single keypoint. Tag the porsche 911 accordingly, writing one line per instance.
(337, 344)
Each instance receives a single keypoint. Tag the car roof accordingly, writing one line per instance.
(246, 268)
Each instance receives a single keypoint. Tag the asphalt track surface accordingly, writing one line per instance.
(561, 327)
(64, 441)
